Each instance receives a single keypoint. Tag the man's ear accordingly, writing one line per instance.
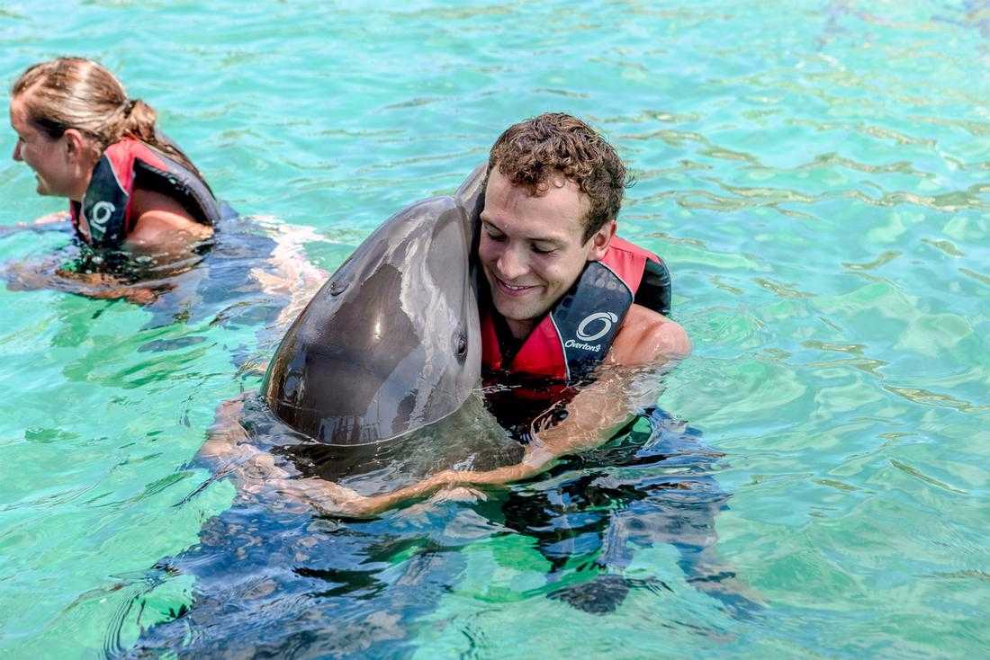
(600, 241)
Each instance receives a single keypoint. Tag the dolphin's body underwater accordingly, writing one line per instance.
(391, 343)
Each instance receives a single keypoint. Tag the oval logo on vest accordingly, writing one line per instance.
(607, 319)
(102, 212)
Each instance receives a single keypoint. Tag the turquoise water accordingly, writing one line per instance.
(817, 176)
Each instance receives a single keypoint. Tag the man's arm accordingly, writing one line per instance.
(594, 416)
(647, 343)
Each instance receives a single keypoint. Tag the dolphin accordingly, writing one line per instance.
(391, 343)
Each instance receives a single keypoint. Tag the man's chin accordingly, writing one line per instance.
(520, 313)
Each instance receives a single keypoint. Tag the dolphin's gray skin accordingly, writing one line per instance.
(391, 343)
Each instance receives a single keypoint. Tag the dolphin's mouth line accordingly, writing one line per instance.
(386, 441)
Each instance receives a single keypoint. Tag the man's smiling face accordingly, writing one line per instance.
(531, 248)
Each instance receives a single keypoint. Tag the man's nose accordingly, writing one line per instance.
(17, 151)
(511, 264)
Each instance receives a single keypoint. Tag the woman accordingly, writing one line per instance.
(130, 189)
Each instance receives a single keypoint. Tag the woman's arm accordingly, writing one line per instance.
(163, 225)
(163, 228)
(45, 223)
(46, 274)
(51, 218)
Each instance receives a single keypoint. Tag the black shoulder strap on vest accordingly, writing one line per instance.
(588, 317)
(654, 290)
(104, 206)
(182, 185)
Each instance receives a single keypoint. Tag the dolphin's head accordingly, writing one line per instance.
(391, 343)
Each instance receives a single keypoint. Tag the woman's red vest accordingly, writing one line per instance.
(104, 219)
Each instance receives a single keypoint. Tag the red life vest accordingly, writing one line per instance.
(104, 219)
(574, 337)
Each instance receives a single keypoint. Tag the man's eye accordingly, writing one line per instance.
(495, 236)
(540, 250)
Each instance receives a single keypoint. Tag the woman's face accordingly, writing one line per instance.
(55, 165)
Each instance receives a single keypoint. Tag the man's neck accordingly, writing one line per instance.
(520, 329)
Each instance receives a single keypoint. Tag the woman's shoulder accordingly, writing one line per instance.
(160, 221)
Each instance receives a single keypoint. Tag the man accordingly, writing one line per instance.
(564, 293)
(566, 318)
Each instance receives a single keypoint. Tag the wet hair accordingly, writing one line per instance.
(76, 93)
(529, 153)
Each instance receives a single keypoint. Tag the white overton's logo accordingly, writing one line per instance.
(102, 212)
(607, 319)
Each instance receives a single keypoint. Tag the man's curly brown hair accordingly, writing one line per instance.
(531, 152)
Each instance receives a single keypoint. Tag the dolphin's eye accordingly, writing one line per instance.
(461, 345)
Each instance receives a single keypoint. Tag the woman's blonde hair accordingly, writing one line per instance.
(73, 92)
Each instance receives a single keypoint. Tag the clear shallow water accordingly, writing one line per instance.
(817, 176)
